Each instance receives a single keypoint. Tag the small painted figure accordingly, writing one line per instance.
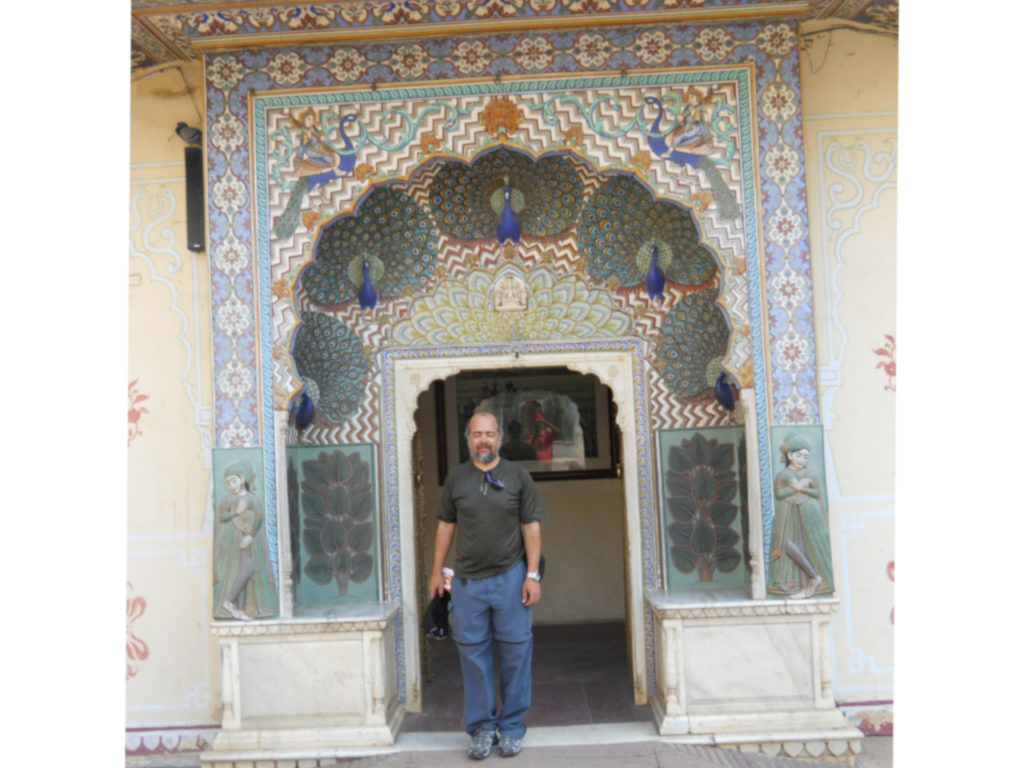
(313, 154)
(243, 585)
(691, 131)
(510, 294)
(540, 433)
(800, 556)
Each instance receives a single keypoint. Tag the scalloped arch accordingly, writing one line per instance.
(429, 300)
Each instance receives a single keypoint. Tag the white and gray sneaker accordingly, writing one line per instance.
(483, 740)
(509, 746)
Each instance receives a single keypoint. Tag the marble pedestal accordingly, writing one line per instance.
(301, 691)
(751, 674)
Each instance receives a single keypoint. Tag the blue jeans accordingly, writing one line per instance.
(486, 612)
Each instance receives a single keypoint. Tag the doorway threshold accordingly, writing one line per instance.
(548, 736)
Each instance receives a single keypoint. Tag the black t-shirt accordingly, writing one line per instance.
(489, 539)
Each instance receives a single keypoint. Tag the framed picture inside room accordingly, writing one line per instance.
(557, 423)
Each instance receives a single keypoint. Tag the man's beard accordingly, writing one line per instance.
(485, 455)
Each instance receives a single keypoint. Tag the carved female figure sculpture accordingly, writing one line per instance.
(243, 586)
(800, 556)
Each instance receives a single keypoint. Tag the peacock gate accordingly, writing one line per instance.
(607, 223)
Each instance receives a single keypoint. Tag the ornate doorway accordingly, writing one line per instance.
(406, 373)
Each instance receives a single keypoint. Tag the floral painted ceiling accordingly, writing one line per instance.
(170, 30)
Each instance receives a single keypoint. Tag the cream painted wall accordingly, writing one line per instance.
(172, 681)
(850, 103)
(583, 540)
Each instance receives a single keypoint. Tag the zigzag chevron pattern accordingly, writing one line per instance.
(668, 413)
(649, 313)
(724, 237)
(288, 256)
(363, 427)
(451, 257)
(363, 322)
(528, 255)
(418, 187)
(564, 256)
(285, 377)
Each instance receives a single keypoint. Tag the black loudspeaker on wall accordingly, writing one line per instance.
(196, 231)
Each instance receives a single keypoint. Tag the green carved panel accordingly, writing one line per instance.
(704, 507)
(335, 525)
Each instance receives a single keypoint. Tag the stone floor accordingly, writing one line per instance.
(580, 677)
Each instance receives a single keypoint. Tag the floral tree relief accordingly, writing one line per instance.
(337, 520)
(703, 506)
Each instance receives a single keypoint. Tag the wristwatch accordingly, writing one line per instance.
(535, 575)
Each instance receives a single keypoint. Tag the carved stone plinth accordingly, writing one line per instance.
(753, 674)
(303, 690)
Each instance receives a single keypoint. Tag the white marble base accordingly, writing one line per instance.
(752, 674)
(306, 689)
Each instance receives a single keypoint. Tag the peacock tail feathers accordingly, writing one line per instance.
(622, 217)
(291, 216)
(388, 226)
(695, 335)
(545, 194)
(330, 354)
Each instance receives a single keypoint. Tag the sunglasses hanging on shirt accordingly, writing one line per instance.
(486, 480)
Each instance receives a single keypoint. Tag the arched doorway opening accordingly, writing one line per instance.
(581, 669)
(406, 373)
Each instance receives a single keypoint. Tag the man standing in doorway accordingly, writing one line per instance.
(497, 510)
